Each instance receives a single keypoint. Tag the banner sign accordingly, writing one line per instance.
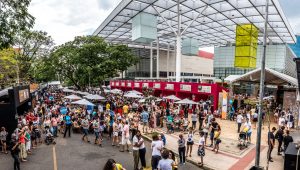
(23, 95)
(224, 104)
(185, 87)
(156, 85)
(128, 84)
(112, 83)
(204, 89)
(169, 86)
(123, 84)
(146, 85)
(117, 83)
(136, 84)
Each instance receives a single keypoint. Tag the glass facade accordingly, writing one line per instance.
(278, 57)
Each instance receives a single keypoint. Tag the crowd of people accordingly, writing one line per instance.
(122, 121)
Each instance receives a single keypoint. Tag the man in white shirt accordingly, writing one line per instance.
(239, 120)
(156, 146)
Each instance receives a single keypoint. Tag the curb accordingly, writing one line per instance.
(205, 167)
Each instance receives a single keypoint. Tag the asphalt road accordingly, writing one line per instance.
(74, 154)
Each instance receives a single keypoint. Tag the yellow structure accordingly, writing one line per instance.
(246, 46)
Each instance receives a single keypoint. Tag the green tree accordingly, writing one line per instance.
(89, 59)
(14, 17)
(8, 67)
(33, 45)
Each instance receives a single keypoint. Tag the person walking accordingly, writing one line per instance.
(201, 148)
(194, 120)
(239, 121)
(22, 141)
(135, 152)
(68, 123)
(217, 139)
(190, 142)
(213, 127)
(271, 143)
(181, 149)
(279, 137)
(54, 121)
(201, 118)
(15, 154)
(96, 127)
(145, 119)
(3, 136)
(290, 120)
(156, 146)
(85, 128)
(125, 137)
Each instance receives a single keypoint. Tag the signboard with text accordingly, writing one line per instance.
(156, 85)
(128, 84)
(169, 86)
(117, 83)
(113, 83)
(137, 85)
(23, 95)
(204, 89)
(185, 87)
(123, 84)
(146, 85)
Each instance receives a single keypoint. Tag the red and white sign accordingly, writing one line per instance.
(156, 85)
(146, 85)
(117, 84)
(123, 84)
(185, 87)
(137, 85)
(113, 83)
(169, 87)
(204, 89)
(128, 84)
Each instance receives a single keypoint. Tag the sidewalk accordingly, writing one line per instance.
(230, 156)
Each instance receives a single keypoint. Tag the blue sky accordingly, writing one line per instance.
(65, 19)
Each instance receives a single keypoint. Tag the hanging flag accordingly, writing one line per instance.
(224, 104)
(246, 46)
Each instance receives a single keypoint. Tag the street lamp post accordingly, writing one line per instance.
(262, 87)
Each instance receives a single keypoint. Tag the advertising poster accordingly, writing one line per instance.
(156, 85)
(169, 87)
(128, 84)
(146, 85)
(224, 104)
(136, 84)
(185, 87)
(204, 89)
(123, 84)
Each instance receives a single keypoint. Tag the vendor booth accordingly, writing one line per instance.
(14, 101)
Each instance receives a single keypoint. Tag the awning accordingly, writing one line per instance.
(272, 77)
(214, 26)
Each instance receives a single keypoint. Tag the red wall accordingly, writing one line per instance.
(187, 90)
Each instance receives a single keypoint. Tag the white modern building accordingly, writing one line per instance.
(279, 57)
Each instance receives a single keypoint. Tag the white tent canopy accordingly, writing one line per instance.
(134, 91)
(132, 95)
(116, 91)
(171, 97)
(73, 97)
(83, 102)
(272, 77)
(186, 101)
(94, 97)
(68, 90)
(231, 77)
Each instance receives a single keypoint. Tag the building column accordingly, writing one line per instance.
(151, 60)
(157, 59)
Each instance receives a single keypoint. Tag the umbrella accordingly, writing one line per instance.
(94, 97)
(172, 97)
(134, 91)
(83, 102)
(85, 93)
(186, 101)
(158, 100)
(73, 97)
(132, 95)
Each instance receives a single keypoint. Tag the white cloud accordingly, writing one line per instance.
(65, 19)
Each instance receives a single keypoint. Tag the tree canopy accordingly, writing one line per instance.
(14, 18)
(8, 66)
(88, 59)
